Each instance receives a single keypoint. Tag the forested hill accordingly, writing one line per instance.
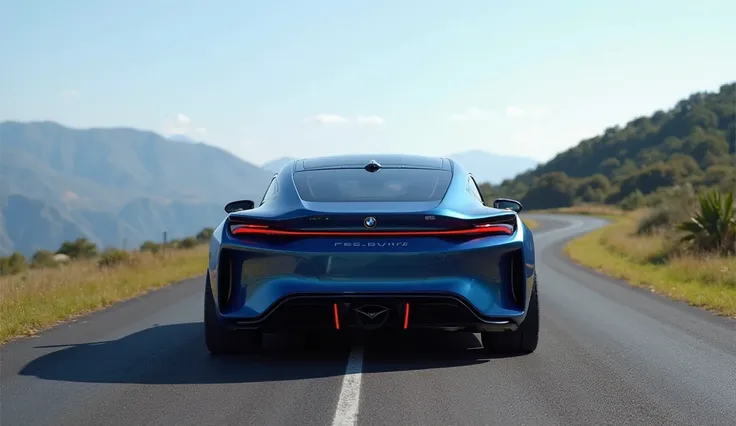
(694, 142)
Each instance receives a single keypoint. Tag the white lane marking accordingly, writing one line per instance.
(349, 401)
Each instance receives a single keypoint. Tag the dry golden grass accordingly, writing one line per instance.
(40, 298)
(530, 223)
(616, 250)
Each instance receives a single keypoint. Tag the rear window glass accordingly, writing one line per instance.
(384, 185)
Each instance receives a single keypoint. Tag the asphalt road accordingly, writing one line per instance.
(608, 354)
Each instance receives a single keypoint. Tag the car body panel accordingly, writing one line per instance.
(489, 276)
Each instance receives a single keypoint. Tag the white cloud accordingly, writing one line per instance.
(183, 119)
(472, 114)
(182, 124)
(326, 119)
(371, 120)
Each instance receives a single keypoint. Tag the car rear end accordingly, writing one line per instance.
(371, 250)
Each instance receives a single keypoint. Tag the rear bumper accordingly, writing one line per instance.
(477, 285)
(397, 311)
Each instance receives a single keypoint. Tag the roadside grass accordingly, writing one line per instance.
(706, 281)
(39, 298)
(530, 223)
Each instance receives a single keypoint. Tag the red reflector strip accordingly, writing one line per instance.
(337, 316)
(406, 317)
(477, 230)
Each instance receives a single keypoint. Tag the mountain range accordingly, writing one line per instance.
(119, 187)
(115, 186)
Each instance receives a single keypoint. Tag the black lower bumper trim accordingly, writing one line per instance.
(374, 312)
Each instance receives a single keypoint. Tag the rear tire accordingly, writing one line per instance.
(219, 339)
(524, 339)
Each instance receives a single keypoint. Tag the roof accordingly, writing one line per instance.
(385, 160)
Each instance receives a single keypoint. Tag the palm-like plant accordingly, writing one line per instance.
(713, 228)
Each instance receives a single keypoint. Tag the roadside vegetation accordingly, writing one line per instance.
(530, 223)
(666, 182)
(76, 279)
(682, 246)
(691, 144)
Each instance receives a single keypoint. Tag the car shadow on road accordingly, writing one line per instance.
(176, 354)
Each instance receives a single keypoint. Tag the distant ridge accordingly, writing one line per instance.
(112, 185)
(276, 165)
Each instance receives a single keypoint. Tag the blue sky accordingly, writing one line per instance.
(299, 78)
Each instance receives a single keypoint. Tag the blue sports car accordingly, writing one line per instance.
(372, 242)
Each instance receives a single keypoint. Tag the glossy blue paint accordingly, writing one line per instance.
(264, 270)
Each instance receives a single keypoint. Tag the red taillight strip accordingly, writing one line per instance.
(478, 229)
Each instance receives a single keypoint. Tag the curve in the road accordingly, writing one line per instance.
(608, 354)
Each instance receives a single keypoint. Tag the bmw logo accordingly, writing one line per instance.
(370, 222)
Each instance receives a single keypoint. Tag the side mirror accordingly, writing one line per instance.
(235, 206)
(507, 204)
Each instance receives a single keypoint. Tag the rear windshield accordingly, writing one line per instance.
(384, 185)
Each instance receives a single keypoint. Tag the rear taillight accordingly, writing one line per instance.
(248, 229)
(493, 228)
(476, 230)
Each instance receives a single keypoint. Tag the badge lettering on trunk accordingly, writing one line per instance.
(371, 244)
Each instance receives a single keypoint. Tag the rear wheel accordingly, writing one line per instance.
(524, 339)
(220, 339)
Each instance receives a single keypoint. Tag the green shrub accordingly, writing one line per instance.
(187, 243)
(43, 259)
(713, 227)
(13, 264)
(113, 257)
(204, 235)
(658, 220)
(632, 201)
(150, 246)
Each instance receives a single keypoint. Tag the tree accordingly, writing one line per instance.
(80, 248)
(552, 190)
